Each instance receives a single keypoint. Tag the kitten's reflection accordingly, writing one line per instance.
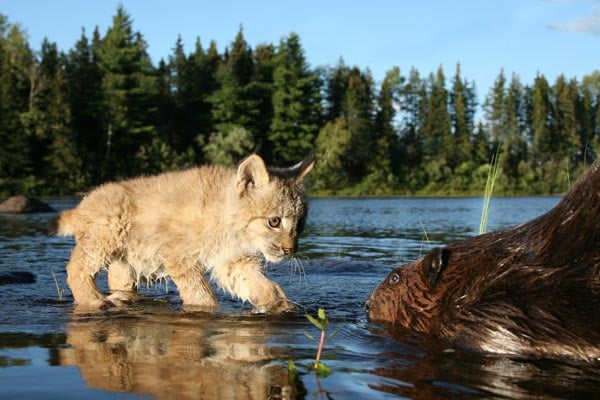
(177, 356)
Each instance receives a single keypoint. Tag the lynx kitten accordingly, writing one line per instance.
(212, 219)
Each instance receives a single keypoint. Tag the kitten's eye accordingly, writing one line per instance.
(274, 222)
(395, 278)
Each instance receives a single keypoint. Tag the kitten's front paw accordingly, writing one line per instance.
(120, 298)
(277, 306)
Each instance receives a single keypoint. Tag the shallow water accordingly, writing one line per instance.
(154, 349)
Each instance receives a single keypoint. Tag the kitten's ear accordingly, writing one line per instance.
(300, 170)
(251, 173)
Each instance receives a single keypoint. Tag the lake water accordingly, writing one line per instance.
(154, 349)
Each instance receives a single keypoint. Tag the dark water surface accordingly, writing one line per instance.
(154, 349)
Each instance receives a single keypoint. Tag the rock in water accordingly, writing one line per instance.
(22, 204)
(13, 277)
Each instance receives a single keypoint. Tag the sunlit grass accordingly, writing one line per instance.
(424, 239)
(60, 291)
(568, 175)
(489, 190)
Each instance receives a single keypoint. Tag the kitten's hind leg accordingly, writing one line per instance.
(121, 283)
(81, 278)
(244, 278)
(194, 289)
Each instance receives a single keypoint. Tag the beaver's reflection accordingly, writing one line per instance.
(177, 356)
(432, 371)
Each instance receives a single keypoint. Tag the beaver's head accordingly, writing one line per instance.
(410, 295)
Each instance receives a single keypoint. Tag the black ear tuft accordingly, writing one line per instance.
(434, 263)
(296, 172)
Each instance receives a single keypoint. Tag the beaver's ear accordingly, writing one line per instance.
(434, 263)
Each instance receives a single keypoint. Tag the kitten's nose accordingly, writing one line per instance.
(287, 250)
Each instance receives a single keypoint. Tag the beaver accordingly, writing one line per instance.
(531, 290)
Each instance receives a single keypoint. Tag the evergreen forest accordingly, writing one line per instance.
(103, 111)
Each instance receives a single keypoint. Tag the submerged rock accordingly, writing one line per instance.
(23, 204)
(7, 278)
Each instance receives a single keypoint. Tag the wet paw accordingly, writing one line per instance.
(277, 306)
(120, 298)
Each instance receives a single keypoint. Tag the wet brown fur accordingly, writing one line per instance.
(531, 290)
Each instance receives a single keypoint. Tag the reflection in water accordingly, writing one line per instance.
(438, 372)
(349, 245)
(176, 356)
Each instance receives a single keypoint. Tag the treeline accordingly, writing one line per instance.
(103, 111)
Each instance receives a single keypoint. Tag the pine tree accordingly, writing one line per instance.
(481, 146)
(233, 104)
(165, 117)
(387, 146)
(437, 124)
(262, 88)
(203, 83)
(413, 97)
(181, 125)
(435, 131)
(564, 121)
(332, 149)
(16, 62)
(540, 122)
(590, 129)
(128, 88)
(62, 160)
(84, 87)
(296, 103)
(512, 132)
(494, 108)
(336, 86)
(358, 111)
(462, 113)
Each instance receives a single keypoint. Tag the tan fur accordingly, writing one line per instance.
(182, 224)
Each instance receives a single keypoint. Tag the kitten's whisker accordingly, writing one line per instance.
(296, 263)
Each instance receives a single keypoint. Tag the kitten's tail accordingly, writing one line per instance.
(64, 225)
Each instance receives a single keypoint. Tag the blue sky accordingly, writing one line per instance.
(525, 37)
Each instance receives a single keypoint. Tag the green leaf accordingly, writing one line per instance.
(310, 336)
(321, 314)
(333, 334)
(291, 371)
(291, 366)
(323, 370)
(319, 324)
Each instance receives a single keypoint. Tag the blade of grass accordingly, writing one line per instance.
(59, 290)
(489, 190)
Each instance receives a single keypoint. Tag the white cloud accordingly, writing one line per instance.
(590, 24)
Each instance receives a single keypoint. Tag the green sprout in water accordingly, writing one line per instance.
(321, 370)
(320, 322)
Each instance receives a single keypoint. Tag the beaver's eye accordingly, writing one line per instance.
(395, 278)
(274, 222)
